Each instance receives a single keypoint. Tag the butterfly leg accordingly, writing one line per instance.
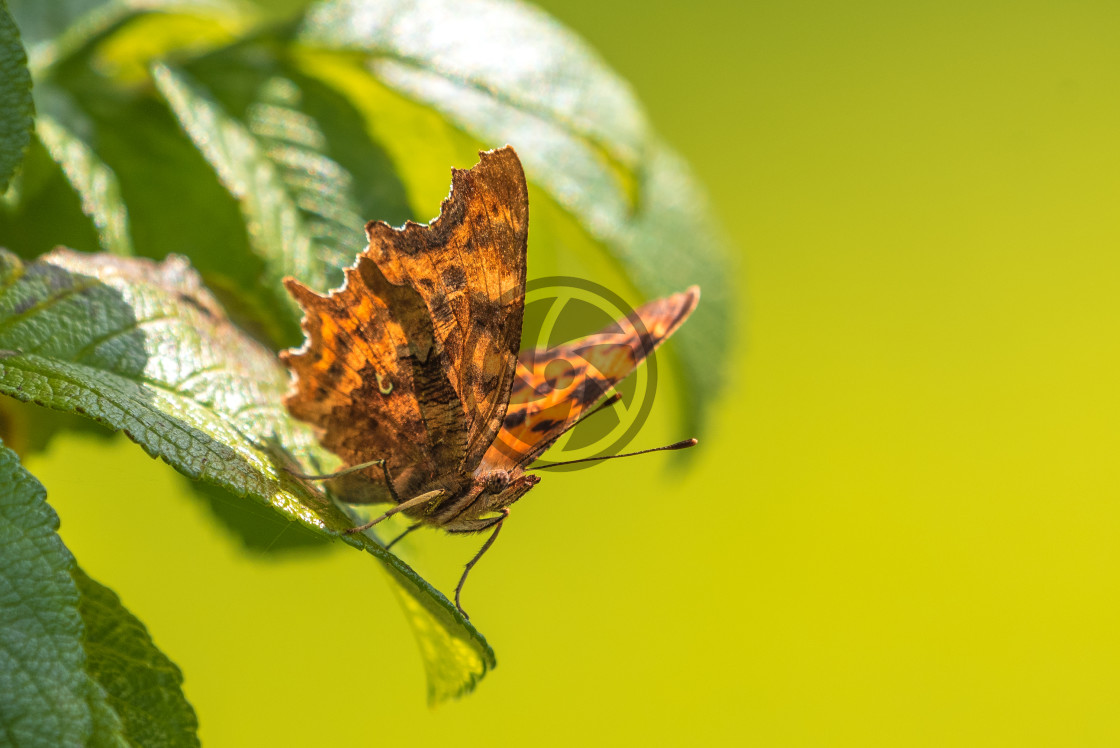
(423, 498)
(339, 473)
(394, 541)
(353, 469)
(470, 564)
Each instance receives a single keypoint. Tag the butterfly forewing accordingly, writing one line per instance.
(468, 266)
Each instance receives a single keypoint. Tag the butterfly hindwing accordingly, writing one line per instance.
(556, 386)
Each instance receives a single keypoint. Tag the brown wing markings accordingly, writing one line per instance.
(607, 357)
(494, 378)
(482, 231)
(360, 336)
(433, 398)
(441, 307)
(549, 400)
(362, 315)
(334, 330)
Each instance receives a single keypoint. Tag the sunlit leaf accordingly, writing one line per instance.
(61, 29)
(177, 206)
(16, 106)
(303, 209)
(417, 144)
(93, 180)
(291, 142)
(144, 348)
(329, 169)
(512, 51)
(319, 186)
(276, 229)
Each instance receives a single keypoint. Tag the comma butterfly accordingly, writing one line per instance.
(411, 372)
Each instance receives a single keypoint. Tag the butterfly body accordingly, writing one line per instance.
(411, 372)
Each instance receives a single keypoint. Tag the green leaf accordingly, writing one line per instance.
(48, 699)
(418, 144)
(141, 684)
(377, 189)
(506, 72)
(303, 208)
(176, 206)
(70, 655)
(144, 348)
(17, 110)
(276, 229)
(320, 187)
(132, 35)
(60, 30)
(42, 189)
(41, 22)
(93, 180)
(512, 52)
(335, 173)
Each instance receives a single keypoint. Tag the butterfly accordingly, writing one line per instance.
(411, 372)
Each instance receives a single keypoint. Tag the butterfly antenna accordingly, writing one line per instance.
(614, 398)
(667, 448)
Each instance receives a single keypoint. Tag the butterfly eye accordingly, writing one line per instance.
(496, 481)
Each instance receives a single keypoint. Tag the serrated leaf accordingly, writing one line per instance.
(141, 684)
(302, 207)
(17, 109)
(333, 171)
(48, 699)
(93, 180)
(144, 348)
(275, 227)
(41, 189)
(377, 187)
(506, 72)
(320, 187)
(176, 206)
(417, 143)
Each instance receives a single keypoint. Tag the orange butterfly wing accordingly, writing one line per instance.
(371, 381)
(412, 360)
(556, 386)
(468, 266)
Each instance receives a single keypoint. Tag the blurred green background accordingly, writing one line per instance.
(901, 528)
